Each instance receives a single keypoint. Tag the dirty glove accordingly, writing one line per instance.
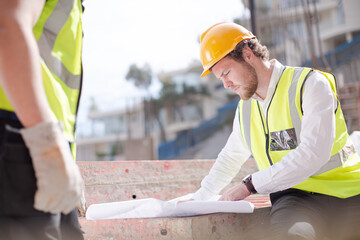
(81, 206)
(59, 182)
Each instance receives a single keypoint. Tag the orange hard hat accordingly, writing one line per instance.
(219, 40)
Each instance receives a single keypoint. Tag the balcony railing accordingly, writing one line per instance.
(190, 138)
(341, 55)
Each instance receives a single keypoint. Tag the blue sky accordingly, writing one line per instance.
(162, 33)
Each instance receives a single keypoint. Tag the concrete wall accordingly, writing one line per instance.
(126, 180)
(207, 227)
(165, 180)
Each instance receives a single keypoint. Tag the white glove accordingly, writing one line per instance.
(59, 182)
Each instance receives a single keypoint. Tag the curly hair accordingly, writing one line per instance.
(259, 50)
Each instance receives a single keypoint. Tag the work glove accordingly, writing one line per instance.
(59, 183)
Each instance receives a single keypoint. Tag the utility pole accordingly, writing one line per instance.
(307, 16)
(325, 62)
(253, 16)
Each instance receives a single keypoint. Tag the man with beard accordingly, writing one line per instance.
(289, 119)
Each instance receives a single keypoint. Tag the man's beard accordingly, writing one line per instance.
(252, 83)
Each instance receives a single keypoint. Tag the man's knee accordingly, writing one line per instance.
(302, 230)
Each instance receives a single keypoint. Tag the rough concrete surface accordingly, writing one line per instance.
(212, 227)
(165, 180)
(126, 180)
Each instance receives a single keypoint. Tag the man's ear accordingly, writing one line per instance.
(247, 54)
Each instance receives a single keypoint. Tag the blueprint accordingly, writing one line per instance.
(155, 208)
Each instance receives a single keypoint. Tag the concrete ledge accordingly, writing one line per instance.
(127, 180)
(212, 226)
(165, 180)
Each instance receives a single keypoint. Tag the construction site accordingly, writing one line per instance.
(176, 156)
(258, 137)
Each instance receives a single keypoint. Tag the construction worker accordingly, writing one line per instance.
(40, 81)
(290, 120)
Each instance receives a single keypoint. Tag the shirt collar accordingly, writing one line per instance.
(274, 79)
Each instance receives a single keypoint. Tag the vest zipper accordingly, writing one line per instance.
(266, 133)
(267, 122)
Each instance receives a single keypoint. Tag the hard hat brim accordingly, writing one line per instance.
(205, 72)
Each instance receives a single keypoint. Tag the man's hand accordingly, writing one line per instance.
(59, 182)
(238, 192)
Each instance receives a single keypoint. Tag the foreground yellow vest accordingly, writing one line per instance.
(271, 138)
(59, 36)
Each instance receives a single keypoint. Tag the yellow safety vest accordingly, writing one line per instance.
(59, 35)
(271, 138)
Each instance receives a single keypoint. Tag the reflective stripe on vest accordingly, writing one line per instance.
(52, 27)
(59, 36)
(270, 142)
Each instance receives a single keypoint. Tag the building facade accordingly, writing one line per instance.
(136, 132)
(297, 31)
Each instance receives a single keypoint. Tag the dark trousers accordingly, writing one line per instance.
(297, 214)
(18, 218)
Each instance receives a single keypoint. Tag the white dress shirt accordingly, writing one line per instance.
(316, 141)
